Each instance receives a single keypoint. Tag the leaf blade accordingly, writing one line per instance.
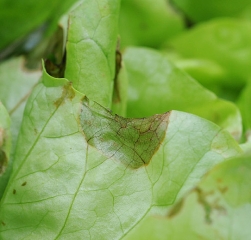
(91, 51)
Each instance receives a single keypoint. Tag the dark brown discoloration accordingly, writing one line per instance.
(131, 141)
(176, 209)
(205, 204)
(3, 156)
(3, 161)
(24, 184)
(68, 93)
(14, 191)
(209, 206)
(54, 69)
(223, 189)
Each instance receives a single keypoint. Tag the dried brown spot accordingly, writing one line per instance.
(24, 184)
(67, 93)
(176, 209)
(223, 189)
(133, 141)
(205, 204)
(116, 88)
(1, 137)
(219, 180)
(3, 161)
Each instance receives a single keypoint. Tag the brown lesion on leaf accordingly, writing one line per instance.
(207, 200)
(176, 209)
(223, 190)
(67, 93)
(1, 137)
(56, 69)
(14, 191)
(35, 131)
(3, 156)
(132, 141)
(209, 206)
(118, 64)
(23, 184)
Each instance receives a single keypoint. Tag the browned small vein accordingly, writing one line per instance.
(133, 141)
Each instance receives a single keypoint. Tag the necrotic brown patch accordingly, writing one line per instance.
(133, 141)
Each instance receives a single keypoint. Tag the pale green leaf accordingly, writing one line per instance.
(244, 104)
(77, 175)
(225, 41)
(15, 87)
(157, 86)
(211, 75)
(218, 208)
(92, 39)
(119, 99)
(5, 147)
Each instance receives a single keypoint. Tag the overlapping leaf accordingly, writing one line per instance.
(157, 86)
(91, 45)
(218, 208)
(197, 11)
(224, 41)
(15, 86)
(60, 175)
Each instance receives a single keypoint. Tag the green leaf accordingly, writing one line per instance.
(211, 75)
(91, 46)
(5, 146)
(15, 87)
(16, 24)
(224, 41)
(246, 147)
(197, 10)
(218, 208)
(70, 180)
(167, 88)
(244, 104)
(147, 24)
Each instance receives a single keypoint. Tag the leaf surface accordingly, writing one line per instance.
(225, 41)
(244, 103)
(15, 86)
(65, 185)
(91, 46)
(166, 88)
(198, 11)
(218, 208)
